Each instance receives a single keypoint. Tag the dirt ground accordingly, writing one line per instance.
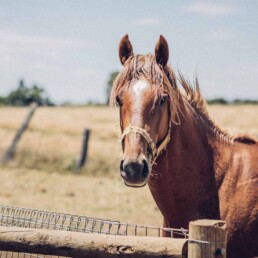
(106, 198)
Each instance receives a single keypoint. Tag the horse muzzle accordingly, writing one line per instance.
(135, 172)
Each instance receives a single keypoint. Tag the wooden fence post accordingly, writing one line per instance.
(10, 152)
(207, 239)
(83, 156)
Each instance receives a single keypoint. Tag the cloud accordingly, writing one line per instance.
(210, 8)
(37, 57)
(13, 43)
(147, 22)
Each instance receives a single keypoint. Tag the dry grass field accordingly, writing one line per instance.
(42, 177)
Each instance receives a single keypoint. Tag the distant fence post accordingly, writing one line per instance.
(83, 156)
(10, 152)
(207, 239)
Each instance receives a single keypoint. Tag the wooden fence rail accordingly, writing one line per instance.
(75, 244)
(207, 239)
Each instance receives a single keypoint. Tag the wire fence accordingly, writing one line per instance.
(30, 218)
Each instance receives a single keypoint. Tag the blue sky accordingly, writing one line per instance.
(69, 47)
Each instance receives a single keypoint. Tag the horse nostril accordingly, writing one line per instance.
(121, 165)
(145, 170)
(122, 172)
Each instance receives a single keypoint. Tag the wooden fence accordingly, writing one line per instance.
(207, 239)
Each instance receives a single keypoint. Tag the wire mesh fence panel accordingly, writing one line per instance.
(30, 218)
(25, 255)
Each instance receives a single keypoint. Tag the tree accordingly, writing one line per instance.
(110, 82)
(24, 96)
(217, 101)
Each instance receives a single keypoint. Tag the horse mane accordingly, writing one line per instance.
(245, 139)
(198, 103)
(194, 97)
(164, 80)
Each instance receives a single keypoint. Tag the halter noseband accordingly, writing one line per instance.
(155, 150)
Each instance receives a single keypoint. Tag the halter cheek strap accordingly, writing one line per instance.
(155, 150)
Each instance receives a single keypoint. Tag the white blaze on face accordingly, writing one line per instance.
(138, 89)
(138, 92)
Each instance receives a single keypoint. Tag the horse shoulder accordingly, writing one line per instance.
(238, 192)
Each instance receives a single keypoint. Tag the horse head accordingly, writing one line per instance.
(142, 91)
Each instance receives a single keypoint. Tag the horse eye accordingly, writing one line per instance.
(118, 101)
(163, 99)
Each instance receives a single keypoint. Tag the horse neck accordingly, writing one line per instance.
(183, 180)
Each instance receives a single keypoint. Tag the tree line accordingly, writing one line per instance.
(24, 95)
(223, 101)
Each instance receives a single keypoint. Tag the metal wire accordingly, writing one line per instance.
(30, 218)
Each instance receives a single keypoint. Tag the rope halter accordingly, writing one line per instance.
(155, 150)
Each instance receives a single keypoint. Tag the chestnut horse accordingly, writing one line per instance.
(194, 169)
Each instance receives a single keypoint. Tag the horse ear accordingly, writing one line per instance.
(162, 51)
(125, 49)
